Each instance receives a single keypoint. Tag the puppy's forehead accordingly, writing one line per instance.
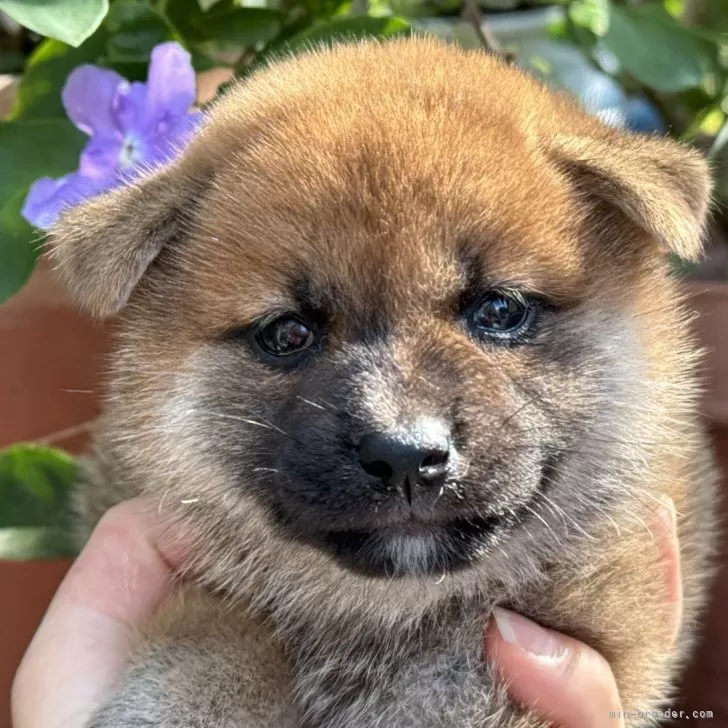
(391, 194)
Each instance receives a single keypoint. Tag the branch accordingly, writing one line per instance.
(471, 14)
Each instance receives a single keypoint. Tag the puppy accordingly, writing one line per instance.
(398, 342)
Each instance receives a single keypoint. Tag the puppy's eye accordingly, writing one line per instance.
(284, 336)
(501, 315)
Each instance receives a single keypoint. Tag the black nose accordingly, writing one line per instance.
(403, 458)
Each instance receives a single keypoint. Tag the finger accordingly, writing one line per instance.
(119, 579)
(561, 679)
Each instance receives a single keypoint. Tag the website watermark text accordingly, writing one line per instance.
(660, 714)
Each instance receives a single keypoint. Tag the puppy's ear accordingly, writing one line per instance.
(102, 247)
(659, 185)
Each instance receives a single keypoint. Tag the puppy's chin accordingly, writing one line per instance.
(418, 550)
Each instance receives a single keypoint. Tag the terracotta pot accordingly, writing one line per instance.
(8, 87)
(49, 388)
(703, 685)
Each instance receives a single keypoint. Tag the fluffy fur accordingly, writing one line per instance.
(378, 186)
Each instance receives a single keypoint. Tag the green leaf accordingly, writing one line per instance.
(225, 23)
(241, 27)
(43, 542)
(202, 62)
(18, 249)
(35, 482)
(328, 32)
(413, 8)
(28, 150)
(71, 21)
(39, 94)
(205, 5)
(656, 50)
(130, 69)
(11, 62)
(32, 149)
(711, 15)
(591, 14)
(324, 9)
(135, 28)
(567, 31)
(35, 487)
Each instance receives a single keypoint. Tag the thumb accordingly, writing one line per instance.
(564, 680)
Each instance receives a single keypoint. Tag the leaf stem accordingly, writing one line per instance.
(471, 14)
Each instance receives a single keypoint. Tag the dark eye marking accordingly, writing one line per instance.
(315, 304)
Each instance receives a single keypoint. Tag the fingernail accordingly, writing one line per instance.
(537, 641)
(666, 511)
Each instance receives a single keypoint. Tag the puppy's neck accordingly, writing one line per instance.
(344, 677)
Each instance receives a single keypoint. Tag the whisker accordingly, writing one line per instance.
(313, 404)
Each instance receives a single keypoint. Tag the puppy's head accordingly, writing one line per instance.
(394, 309)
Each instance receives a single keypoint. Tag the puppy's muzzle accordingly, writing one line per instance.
(410, 459)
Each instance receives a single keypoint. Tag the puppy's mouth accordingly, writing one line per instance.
(415, 547)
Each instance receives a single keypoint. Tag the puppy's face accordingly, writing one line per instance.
(391, 367)
(386, 309)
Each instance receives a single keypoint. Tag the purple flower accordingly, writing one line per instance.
(133, 126)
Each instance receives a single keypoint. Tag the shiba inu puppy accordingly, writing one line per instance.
(397, 342)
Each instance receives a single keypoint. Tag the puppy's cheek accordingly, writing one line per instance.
(191, 434)
(616, 386)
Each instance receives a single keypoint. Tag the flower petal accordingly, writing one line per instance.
(130, 108)
(186, 128)
(171, 86)
(165, 146)
(48, 197)
(100, 157)
(88, 96)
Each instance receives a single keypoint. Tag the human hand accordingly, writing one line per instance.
(127, 570)
(119, 580)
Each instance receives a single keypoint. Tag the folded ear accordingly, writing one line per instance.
(102, 247)
(659, 185)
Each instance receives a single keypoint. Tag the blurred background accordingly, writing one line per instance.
(651, 67)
